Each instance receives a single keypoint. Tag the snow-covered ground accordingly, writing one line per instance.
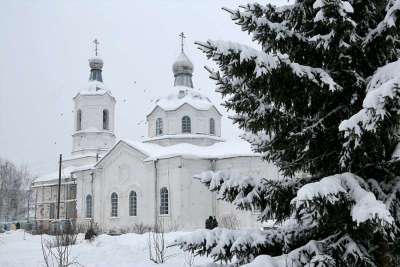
(19, 249)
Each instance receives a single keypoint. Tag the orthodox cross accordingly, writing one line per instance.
(182, 35)
(96, 43)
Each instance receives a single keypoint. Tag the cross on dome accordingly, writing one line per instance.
(182, 35)
(96, 43)
(96, 64)
(183, 67)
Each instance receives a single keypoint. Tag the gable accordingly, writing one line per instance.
(118, 149)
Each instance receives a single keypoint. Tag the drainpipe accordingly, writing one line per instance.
(155, 192)
(213, 163)
(92, 218)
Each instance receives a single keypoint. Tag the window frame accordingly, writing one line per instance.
(79, 120)
(212, 126)
(186, 124)
(106, 119)
(159, 126)
(114, 205)
(164, 201)
(132, 203)
(89, 208)
(52, 211)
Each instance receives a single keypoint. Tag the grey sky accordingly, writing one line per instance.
(44, 51)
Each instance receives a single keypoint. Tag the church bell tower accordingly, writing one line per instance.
(94, 109)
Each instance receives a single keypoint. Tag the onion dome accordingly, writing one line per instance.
(96, 66)
(183, 70)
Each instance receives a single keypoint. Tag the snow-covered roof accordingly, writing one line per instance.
(183, 95)
(94, 88)
(65, 173)
(218, 150)
(183, 136)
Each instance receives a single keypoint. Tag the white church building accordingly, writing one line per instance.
(120, 183)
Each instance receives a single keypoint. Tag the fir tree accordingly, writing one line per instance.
(321, 100)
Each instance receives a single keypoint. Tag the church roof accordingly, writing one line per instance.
(218, 150)
(94, 88)
(183, 136)
(65, 173)
(183, 95)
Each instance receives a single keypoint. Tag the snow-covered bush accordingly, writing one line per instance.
(320, 98)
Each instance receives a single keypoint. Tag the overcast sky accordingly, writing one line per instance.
(44, 51)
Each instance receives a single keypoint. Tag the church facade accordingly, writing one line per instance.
(120, 184)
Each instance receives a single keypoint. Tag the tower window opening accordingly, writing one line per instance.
(159, 126)
(106, 120)
(79, 120)
(212, 126)
(186, 125)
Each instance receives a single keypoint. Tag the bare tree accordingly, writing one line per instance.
(14, 184)
(189, 259)
(157, 244)
(56, 249)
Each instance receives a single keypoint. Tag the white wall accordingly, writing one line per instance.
(172, 120)
(124, 170)
(190, 202)
(92, 137)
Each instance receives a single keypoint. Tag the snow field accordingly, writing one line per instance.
(18, 249)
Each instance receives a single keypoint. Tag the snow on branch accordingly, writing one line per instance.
(319, 253)
(365, 206)
(271, 196)
(265, 63)
(383, 89)
(266, 20)
(242, 191)
(224, 243)
(388, 22)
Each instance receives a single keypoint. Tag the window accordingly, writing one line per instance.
(13, 203)
(71, 194)
(164, 201)
(186, 127)
(159, 126)
(79, 120)
(212, 126)
(52, 211)
(114, 205)
(132, 203)
(89, 204)
(105, 119)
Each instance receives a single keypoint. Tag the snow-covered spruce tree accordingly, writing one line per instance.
(321, 100)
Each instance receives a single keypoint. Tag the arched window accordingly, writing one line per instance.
(186, 126)
(164, 201)
(132, 204)
(105, 119)
(212, 126)
(159, 126)
(114, 205)
(89, 204)
(79, 120)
